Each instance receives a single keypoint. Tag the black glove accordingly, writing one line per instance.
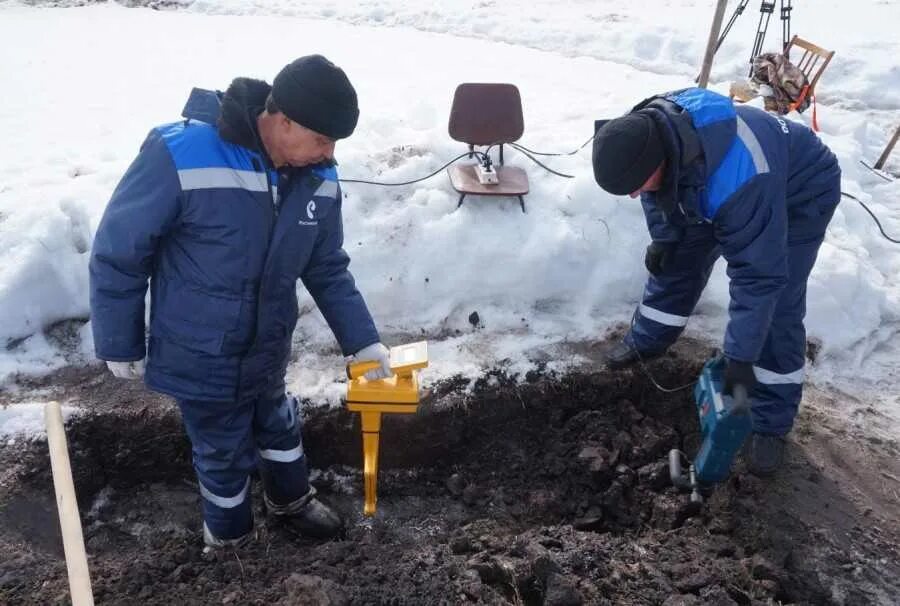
(658, 257)
(738, 373)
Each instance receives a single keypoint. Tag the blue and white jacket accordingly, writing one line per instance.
(752, 175)
(222, 241)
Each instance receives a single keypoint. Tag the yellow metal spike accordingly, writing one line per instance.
(396, 394)
(371, 426)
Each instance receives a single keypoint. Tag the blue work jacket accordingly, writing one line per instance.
(222, 239)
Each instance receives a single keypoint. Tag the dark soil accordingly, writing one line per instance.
(551, 491)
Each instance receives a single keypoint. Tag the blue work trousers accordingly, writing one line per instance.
(231, 439)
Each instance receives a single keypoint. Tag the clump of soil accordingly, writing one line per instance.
(554, 491)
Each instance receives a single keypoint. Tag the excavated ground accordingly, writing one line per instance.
(551, 491)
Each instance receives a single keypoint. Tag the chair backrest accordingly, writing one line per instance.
(486, 114)
(809, 62)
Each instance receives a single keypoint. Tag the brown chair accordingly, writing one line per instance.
(487, 114)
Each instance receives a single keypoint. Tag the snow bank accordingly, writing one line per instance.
(26, 422)
(99, 77)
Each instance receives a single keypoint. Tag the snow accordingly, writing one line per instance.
(91, 81)
(25, 421)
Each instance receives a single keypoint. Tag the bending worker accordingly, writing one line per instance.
(715, 179)
(223, 212)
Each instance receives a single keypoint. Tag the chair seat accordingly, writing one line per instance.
(512, 181)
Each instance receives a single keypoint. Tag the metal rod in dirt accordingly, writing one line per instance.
(887, 150)
(711, 43)
(67, 505)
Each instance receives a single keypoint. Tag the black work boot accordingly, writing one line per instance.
(308, 516)
(765, 454)
(623, 354)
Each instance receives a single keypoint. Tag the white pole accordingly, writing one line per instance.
(70, 523)
(711, 43)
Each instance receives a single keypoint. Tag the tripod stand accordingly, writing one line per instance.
(765, 13)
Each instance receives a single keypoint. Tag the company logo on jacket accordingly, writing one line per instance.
(311, 213)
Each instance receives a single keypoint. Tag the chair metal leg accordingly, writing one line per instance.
(461, 198)
(522, 203)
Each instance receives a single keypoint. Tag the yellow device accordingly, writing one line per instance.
(396, 394)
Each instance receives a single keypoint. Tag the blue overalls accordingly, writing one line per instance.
(223, 242)
(759, 191)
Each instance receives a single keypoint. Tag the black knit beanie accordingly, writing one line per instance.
(315, 93)
(627, 151)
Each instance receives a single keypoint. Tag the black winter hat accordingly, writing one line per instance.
(626, 152)
(315, 93)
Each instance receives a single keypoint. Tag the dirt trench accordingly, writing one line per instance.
(549, 491)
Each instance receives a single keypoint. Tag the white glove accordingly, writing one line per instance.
(376, 352)
(127, 370)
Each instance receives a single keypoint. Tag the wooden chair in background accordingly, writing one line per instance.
(812, 63)
(809, 63)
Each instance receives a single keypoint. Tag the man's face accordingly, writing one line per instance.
(653, 183)
(295, 145)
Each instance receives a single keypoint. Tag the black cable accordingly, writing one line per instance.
(877, 222)
(539, 163)
(476, 153)
(537, 153)
(646, 370)
(657, 385)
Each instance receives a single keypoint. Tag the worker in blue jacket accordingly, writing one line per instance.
(222, 212)
(715, 179)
